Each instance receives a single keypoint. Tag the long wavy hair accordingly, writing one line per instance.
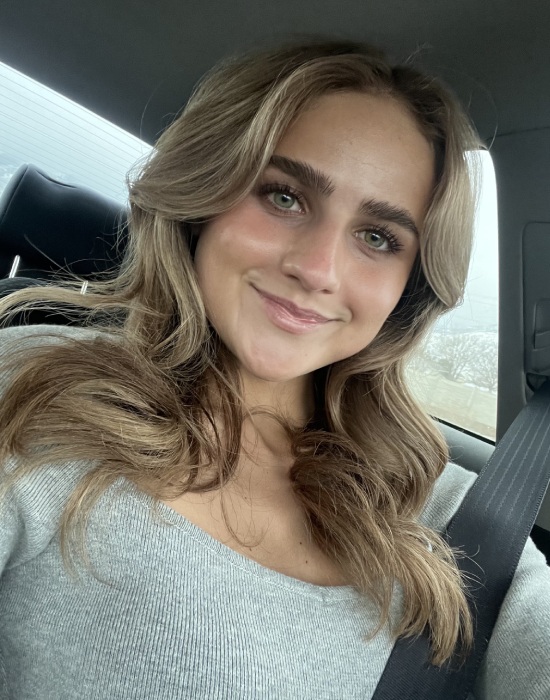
(135, 398)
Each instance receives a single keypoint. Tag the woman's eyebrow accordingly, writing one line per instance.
(304, 173)
(310, 177)
(389, 212)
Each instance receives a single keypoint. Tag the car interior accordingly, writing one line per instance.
(136, 63)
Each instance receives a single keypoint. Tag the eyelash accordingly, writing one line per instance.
(394, 245)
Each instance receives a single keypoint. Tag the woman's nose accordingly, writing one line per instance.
(315, 258)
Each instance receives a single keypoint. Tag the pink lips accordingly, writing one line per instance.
(288, 316)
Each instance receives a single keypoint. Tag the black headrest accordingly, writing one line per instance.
(53, 225)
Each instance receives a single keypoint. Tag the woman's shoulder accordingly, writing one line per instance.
(18, 336)
(447, 494)
(15, 340)
(29, 515)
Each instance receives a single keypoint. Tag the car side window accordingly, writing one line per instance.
(69, 142)
(455, 373)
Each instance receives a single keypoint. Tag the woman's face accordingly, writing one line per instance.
(305, 270)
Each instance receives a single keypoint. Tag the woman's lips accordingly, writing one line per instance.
(288, 316)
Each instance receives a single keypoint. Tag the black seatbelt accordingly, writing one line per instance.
(491, 527)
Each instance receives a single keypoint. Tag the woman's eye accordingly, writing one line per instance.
(284, 200)
(380, 240)
(374, 239)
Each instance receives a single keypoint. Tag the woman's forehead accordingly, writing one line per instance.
(367, 145)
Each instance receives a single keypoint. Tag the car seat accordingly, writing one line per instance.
(47, 226)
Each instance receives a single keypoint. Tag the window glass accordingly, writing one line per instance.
(455, 372)
(67, 141)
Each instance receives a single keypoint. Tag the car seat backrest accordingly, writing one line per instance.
(52, 226)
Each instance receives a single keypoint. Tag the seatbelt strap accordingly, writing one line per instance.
(491, 526)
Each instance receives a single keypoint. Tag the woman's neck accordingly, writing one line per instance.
(266, 451)
(293, 400)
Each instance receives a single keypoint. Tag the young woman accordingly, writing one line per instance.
(218, 485)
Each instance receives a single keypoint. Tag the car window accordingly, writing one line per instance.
(455, 373)
(68, 141)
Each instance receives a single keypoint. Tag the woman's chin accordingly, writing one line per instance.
(273, 372)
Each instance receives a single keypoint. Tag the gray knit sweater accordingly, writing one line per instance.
(179, 615)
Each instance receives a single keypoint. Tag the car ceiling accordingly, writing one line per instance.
(135, 62)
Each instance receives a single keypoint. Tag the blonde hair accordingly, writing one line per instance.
(141, 392)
